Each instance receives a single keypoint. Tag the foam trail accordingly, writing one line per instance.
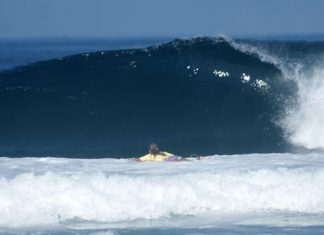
(94, 190)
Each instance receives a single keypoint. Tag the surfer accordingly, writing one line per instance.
(159, 156)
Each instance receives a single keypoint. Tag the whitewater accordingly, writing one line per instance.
(303, 64)
(120, 193)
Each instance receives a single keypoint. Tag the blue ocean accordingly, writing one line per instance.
(74, 111)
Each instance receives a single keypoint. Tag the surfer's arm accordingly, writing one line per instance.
(141, 159)
(146, 157)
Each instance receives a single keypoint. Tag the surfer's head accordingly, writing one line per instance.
(154, 149)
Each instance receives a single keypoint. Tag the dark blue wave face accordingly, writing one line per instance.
(114, 104)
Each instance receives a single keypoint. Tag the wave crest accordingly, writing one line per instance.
(52, 198)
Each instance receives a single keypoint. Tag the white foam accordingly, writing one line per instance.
(220, 73)
(261, 84)
(103, 233)
(245, 77)
(302, 122)
(49, 192)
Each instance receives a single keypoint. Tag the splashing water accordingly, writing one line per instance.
(302, 116)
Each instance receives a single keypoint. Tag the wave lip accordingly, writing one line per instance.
(301, 63)
(304, 120)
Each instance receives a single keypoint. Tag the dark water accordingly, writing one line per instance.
(23, 52)
(113, 103)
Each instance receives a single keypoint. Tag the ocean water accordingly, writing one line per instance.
(71, 118)
(23, 52)
(113, 103)
(221, 194)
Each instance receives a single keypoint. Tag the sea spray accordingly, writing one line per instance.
(301, 63)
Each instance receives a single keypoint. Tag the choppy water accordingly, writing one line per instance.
(219, 193)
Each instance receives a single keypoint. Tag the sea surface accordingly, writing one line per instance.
(74, 111)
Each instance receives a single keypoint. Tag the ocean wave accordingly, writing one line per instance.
(49, 192)
(198, 96)
(301, 63)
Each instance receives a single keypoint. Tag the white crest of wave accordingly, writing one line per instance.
(94, 190)
(303, 118)
(305, 121)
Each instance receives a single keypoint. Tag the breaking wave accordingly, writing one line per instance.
(44, 192)
(198, 96)
(303, 64)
